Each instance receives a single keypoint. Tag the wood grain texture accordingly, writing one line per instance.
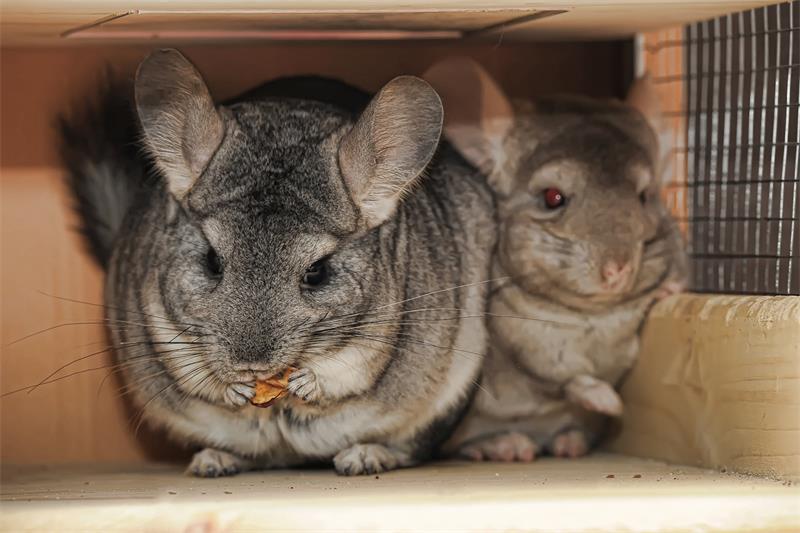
(44, 21)
(69, 420)
(81, 417)
(717, 384)
(598, 493)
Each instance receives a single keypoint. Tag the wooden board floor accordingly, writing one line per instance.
(601, 493)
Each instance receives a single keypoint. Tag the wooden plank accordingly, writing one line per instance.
(45, 21)
(81, 417)
(598, 493)
(717, 384)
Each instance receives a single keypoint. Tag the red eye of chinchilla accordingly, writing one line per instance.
(553, 198)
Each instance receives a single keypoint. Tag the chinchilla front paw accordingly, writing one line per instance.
(507, 447)
(668, 288)
(216, 463)
(594, 395)
(362, 459)
(238, 394)
(303, 384)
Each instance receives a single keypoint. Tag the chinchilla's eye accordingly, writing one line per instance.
(553, 198)
(643, 197)
(316, 275)
(213, 262)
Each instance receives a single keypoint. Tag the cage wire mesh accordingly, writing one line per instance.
(729, 89)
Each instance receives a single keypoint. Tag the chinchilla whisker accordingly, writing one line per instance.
(447, 309)
(82, 358)
(392, 342)
(108, 348)
(200, 386)
(131, 339)
(131, 386)
(407, 338)
(102, 322)
(104, 306)
(460, 316)
(319, 347)
(143, 360)
(390, 322)
(54, 380)
(431, 293)
(67, 365)
(418, 354)
(140, 414)
(320, 351)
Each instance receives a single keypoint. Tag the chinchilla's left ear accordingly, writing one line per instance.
(389, 147)
(182, 128)
(477, 114)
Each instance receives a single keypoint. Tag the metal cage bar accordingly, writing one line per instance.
(734, 104)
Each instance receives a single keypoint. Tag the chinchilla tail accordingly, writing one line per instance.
(105, 166)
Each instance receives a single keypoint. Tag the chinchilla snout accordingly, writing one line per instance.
(614, 239)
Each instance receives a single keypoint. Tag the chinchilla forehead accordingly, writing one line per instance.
(278, 164)
(604, 150)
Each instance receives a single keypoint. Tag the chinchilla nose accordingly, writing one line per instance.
(616, 274)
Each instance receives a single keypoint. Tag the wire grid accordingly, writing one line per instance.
(729, 87)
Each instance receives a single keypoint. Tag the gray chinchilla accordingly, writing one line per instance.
(586, 243)
(274, 233)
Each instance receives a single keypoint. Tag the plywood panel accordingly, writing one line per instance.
(80, 417)
(45, 21)
(717, 384)
(599, 493)
(69, 420)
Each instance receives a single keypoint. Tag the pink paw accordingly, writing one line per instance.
(571, 443)
(594, 395)
(668, 289)
(507, 447)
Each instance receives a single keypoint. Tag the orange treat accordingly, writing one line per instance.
(272, 389)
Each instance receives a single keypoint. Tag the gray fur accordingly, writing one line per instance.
(389, 349)
(548, 385)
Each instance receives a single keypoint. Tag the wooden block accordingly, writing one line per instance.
(718, 385)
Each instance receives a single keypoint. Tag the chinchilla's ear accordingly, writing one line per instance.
(643, 97)
(389, 147)
(478, 115)
(182, 128)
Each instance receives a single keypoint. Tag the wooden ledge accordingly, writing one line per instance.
(598, 493)
(718, 385)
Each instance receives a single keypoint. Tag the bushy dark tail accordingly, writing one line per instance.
(106, 168)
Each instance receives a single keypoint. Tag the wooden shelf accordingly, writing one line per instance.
(26, 22)
(602, 492)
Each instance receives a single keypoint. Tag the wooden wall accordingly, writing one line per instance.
(42, 261)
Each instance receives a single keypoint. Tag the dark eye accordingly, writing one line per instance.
(316, 275)
(553, 198)
(213, 262)
(643, 197)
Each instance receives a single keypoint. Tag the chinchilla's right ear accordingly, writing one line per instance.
(387, 150)
(478, 115)
(644, 97)
(182, 128)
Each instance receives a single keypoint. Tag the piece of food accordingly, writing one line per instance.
(269, 390)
